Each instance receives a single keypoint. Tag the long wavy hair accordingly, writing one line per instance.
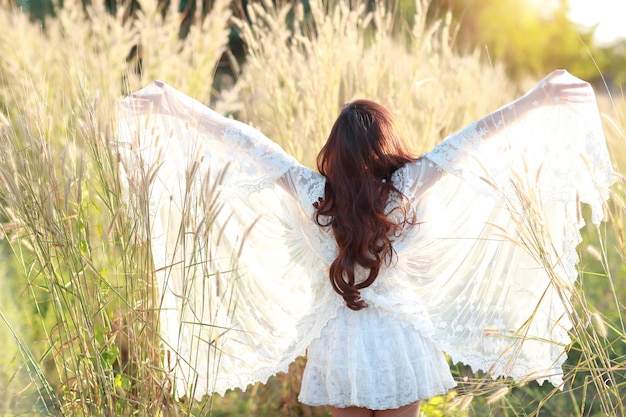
(362, 152)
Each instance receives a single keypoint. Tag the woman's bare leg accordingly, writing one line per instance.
(351, 412)
(411, 410)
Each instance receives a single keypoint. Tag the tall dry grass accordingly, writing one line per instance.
(78, 324)
(300, 68)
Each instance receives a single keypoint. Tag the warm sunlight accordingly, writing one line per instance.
(155, 251)
(608, 15)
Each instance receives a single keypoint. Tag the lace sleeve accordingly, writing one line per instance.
(494, 257)
(551, 136)
(235, 276)
(159, 119)
(557, 88)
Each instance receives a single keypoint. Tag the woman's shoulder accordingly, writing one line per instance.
(404, 177)
(415, 177)
(309, 185)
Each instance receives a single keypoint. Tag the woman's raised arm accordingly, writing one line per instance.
(557, 89)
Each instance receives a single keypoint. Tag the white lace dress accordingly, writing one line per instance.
(242, 267)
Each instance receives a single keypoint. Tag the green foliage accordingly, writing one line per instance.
(531, 37)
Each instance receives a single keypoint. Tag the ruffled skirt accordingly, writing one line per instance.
(370, 359)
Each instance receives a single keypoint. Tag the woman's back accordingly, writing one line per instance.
(361, 204)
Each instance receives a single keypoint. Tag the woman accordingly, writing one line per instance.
(377, 264)
(367, 214)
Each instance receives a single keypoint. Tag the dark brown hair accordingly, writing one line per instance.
(362, 152)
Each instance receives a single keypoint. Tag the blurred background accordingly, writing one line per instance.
(531, 37)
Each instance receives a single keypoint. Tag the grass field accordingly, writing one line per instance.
(78, 331)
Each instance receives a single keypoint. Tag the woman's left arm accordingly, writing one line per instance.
(559, 88)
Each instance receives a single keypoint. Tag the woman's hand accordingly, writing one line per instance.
(559, 87)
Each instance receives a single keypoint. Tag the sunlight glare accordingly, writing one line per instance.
(607, 14)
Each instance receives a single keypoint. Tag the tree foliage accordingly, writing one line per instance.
(532, 38)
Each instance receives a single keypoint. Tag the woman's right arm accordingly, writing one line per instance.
(166, 129)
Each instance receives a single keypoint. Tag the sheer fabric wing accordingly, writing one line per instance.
(231, 272)
(500, 229)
